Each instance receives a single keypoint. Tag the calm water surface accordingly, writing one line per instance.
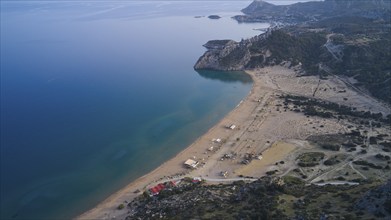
(96, 94)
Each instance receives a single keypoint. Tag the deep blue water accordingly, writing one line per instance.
(91, 91)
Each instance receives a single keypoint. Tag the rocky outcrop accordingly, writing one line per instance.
(227, 55)
(271, 48)
(217, 44)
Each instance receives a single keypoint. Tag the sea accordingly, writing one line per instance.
(95, 94)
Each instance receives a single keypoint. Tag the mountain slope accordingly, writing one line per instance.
(310, 11)
(355, 47)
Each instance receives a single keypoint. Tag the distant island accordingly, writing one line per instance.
(214, 17)
(312, 140)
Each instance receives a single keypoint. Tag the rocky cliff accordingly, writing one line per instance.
(226, 55)
(270, 48)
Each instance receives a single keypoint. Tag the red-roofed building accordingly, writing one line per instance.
(156, 189)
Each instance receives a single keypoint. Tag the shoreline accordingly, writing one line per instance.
(127, 193)
(265, 133)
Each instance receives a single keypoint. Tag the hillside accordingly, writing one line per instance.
(354, 47)
(260, 10)
(266, 198)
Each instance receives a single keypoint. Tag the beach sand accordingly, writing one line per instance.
(275, 154)
(263, 127)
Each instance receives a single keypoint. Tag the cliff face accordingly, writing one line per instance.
(227, 55)
(223, 55)
(270, 48)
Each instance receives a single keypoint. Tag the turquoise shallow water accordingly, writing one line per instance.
(91, 91)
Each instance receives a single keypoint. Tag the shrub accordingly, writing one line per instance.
(310, 159)
(121, 206)
(331, 147)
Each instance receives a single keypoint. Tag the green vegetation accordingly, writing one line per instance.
(370, 64)
(310, 159)
(324, 109)
(234, 57)
(267, 198)
(352, 46)
(293, 181)
(272, 172)
(366, 49)
(121, 206)
(367, 164)
(304, 48)
(235, 201)
(331, 161)
(333, 147)
(362, 44)
(382, 157)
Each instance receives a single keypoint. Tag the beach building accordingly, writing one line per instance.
(216, 140)
(156, 189)
(191, 163)
(153, 191)
(232, 127)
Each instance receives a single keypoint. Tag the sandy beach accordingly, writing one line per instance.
(264, 133)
